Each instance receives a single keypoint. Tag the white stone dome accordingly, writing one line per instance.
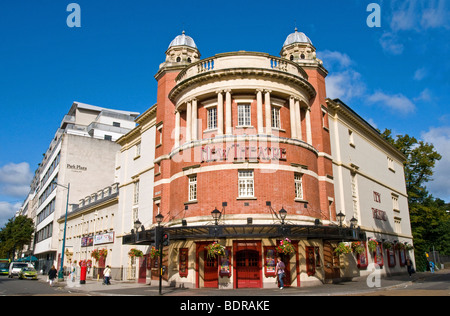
(297, 37)
(183, 40)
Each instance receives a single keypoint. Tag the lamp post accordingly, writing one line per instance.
(353, 222)
(340, 217)
(216, 214)
(283, 214)
(159, 218)
(61, 269)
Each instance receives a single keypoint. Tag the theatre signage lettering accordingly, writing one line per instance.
(378, 214)
(240, 152)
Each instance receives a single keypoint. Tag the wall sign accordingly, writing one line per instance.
(239, 152)
(378, 214)
(77, 168)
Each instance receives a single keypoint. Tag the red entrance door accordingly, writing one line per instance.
(247, 268)
(142, 269)
(247, 264)
(211, 275)
(287, 270)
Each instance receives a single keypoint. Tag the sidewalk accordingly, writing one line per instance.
(354, 287)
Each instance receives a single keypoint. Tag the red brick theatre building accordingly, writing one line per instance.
(252, 161)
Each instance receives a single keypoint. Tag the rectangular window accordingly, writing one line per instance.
(298, 186)
(395, 205)
(136, 193)
(193, 188)
(398, 225)
(351, 139)
(246, 183)
(390, 162)
(244, 115)
(212, 118)
(355, 196)
(276, 117)
(138, 150)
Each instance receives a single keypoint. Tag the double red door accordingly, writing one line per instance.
(211, 274)
(248, 265)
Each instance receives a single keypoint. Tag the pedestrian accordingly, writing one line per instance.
(107, 275)
(279, 271)
(432, 266)
(52, 275)
(409, 266)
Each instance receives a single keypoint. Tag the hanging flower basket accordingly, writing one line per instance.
(97, 254)
(409, 247)
(215, 249)
(399, 246)
(358, 247)
(154, 253)
(387, 245)
(133, 253)
(372, 245)
(85, 263)
(342, 248)
(286, 247)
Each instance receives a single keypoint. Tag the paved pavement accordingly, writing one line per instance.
(358, 286)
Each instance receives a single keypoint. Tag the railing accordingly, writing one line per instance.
(241, 60)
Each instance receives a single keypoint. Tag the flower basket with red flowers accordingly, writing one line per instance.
(372, 245)
(85, 263)
(342, 248)
(357, 247)
(133, 253)
(215, 249)
(154, 253)
(286, 247)
(97, 254)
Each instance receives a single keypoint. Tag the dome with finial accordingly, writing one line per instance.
(297, 37)
(183, 40)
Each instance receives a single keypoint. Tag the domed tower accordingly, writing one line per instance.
(182, 51)
(299, 48)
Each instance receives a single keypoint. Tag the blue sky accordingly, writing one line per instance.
(395, 76)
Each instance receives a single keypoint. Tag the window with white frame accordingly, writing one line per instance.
(355, 195)
(193, 188)
(212, 118)
(246, 183)
(138, 150)
(395, 205)
(298, 186)
(244, 114)
(398, 225)
(390, 162)
(351, 139)
(276, 123)
(136, 193)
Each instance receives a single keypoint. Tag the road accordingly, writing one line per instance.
(16, 287)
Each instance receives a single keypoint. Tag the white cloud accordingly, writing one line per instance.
(15, 179)
(343, 82)
(420, 73)
(7, 211)
(440, 138)
(397, 103)
(390, 43)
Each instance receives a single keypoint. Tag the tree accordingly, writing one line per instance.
(420, 160)
(429, 221)
(17, 233)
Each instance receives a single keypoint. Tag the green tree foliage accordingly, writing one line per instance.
(17, 233)
(430, 223)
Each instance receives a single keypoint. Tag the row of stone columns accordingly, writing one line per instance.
(192, 117)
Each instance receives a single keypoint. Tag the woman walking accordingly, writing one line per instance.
(52, 275)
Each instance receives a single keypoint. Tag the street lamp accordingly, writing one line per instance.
(340, 217)
(216, 215)
(353, 222)
(283, 214)
(159, 232)
(61, 269)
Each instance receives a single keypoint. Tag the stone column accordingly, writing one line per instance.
(188, 121)
(228, 119)
(219, 113)
(268, 112)
(194, 120)
(259, 111)
(308, 126)
(298, 118)
(293, 117)
(177, 129)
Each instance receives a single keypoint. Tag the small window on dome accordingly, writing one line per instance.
(302, 56)
(291, 58)
(189, 60)
(178, 59)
